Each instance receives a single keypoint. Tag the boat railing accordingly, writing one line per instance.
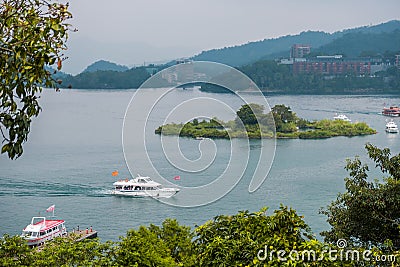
(36, 220)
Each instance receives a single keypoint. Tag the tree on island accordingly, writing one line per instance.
(368, 212)
(285, 119)
(249, 113)
(33, 35)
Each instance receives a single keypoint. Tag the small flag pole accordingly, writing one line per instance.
(51, 208)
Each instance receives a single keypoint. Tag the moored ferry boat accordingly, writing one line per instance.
(391, 111)
(391, 127)
(142, 187)
(41, 230)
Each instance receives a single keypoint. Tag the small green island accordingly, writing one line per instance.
(251, 122)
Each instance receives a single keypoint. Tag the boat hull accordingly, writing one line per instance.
(165, 193)
(391, 114)
(392, 130)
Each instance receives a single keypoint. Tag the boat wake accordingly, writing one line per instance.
(9, 187)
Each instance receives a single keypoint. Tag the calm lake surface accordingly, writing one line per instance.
(76, 143)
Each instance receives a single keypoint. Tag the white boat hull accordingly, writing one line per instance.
(392, 130)
(163, 193)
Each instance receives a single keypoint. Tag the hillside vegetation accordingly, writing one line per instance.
(253, 51)
(257, 60)
(272, 77)
(103, 65)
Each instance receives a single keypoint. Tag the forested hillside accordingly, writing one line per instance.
(253, 51)
(105, 65)
(382, 42)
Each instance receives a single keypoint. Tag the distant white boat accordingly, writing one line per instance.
(391, 127)
(142, 187)
(341, 117)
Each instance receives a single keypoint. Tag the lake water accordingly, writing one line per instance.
(76, 143)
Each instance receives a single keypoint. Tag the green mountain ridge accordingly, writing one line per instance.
(253, 51)
(107, 79)
(381, 41)
(353, 44)
(103, 65)
(239, 55)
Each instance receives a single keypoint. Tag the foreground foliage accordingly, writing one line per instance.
(32, 35)
(255, 239)
(368, 212)
(281, 238)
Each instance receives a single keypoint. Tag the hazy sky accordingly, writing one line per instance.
(132, 32)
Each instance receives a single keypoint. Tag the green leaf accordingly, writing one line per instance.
(5, 148)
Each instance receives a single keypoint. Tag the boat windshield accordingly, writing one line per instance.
(29, 234)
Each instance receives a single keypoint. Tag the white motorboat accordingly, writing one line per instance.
(391, 127)
(142, 186)
(341, 117)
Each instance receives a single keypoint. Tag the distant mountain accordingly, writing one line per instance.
(253, 51)
(107, 79)
(269, 48)
(356, 44)
(257, 60)
(56, 74)
(103, 65)
(389, 26)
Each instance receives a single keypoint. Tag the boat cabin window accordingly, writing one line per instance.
(42, 233)
(32, 234)
(118, 187)
(141, 180)
(29, 234)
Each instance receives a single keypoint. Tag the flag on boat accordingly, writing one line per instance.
(176, 178)
(51, 208)
(114, 173)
